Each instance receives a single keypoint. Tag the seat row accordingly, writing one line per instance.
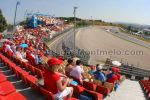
(7, 90)
(145, 84)
(28, 79)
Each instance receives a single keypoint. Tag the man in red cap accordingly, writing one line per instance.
(113, 78)
(53, 82)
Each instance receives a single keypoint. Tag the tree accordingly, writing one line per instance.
(3, 23)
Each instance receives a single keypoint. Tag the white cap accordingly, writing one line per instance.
(100, 67)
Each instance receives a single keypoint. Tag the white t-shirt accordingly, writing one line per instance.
(77, 72)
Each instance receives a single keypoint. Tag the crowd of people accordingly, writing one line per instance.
(74, 70)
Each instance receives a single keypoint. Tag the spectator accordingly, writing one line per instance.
(92, 70)
(98, 74)
(69, 66)
(77, 71)
(113, 78)
(53, 82)
(19, 55)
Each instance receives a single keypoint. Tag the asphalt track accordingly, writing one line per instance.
(101, 44)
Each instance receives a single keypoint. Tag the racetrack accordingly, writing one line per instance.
(101, 45)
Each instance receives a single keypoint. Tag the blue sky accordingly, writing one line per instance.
(134, 11)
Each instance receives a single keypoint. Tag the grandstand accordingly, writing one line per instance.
(23, 62)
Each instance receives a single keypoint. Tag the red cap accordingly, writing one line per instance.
(114, 69)
(92, 67)
(54, 61)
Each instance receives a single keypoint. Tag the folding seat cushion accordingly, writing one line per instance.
(2, 78)
(89, 85)
(103, 90)
(6, 88)
(13, 96)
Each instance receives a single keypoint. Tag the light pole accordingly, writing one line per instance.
(74, 12)
(18, 3)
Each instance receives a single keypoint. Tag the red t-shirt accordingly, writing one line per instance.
(118, 76)
(50, 80)
(112, 79)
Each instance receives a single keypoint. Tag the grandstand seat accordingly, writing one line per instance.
(77, 90)
(6, 88)
(22, 74)
(25, 65)
(103, 90)
(47, 94)
(97, 82)
(30, 80)
(41, 67)
(2, 78)
(95, 95)
(39, 72)
(109, 86)
(89, 86)
(13, 96)
(32, 69)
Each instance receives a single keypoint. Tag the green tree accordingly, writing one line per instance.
(3, 23)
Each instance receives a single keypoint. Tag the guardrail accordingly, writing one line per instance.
(57, 34)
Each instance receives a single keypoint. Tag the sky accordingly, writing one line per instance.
(132, 11)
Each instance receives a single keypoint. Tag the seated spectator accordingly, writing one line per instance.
(92, 70)
(53, 82)
(19, 55)
(69, 66)
(113, 78)
(77, 71)
(99, 75)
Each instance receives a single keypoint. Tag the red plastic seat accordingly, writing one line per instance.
(89, 85)
(97, 96)
(103, 90)
(13, 96)
(47, 94)
(32, 69)
(30, 80)
(39, 72)
(77, 90)
(6, 88)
